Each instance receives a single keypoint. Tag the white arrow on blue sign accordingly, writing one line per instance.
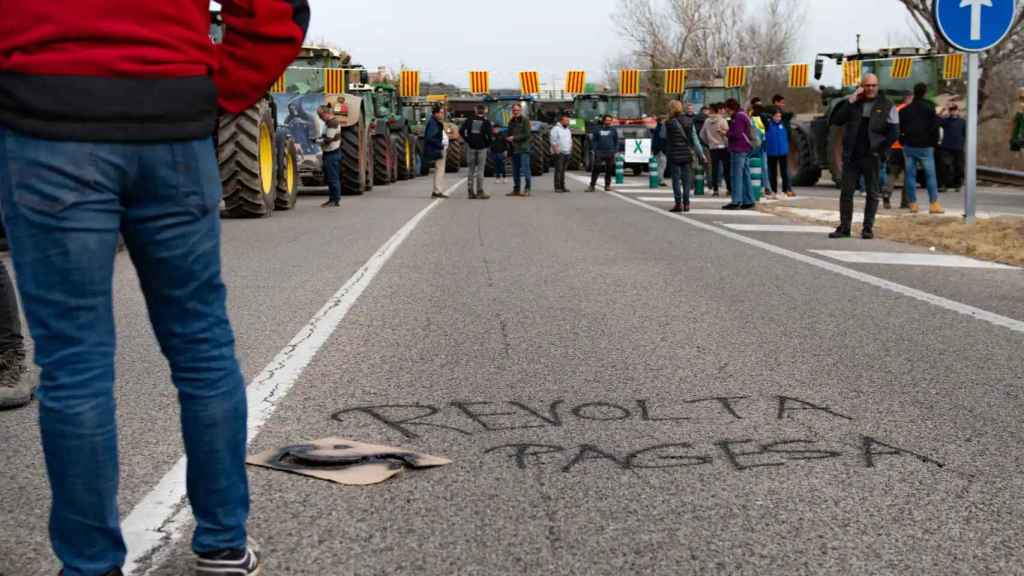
(974, 25)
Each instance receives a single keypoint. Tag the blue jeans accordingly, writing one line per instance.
(332, 173)
(926, 156)
(681, 183)
(742, 187)
(520, 168)
(64, 204)
(499, 164)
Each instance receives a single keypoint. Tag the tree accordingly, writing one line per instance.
(993, 71)
(708, 35)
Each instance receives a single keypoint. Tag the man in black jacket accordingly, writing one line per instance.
(476, 132)
(434, 150)
(951, 151)
(871, 126)
(605, 144)
(919, 134)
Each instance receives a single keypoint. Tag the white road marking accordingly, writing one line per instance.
(741, 213)
(911, 259)
(159, 518)
(778, 228)
(951, 305)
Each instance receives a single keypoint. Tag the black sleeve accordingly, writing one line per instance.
(842, 114)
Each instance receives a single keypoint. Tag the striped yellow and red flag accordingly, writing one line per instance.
(953, 66)
(529, 82)
(479, 82)
(799, 75)
(409, 84)
(334, 81)
(852, 72)
(576, 82)
(279, 86)
(902, 68)
(629, 82)
(675, 81)
(735, 76)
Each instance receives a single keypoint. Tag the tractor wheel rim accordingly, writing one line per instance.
(266, 159)
(408, 154)
(290, 175)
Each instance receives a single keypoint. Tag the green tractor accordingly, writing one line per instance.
(393, 140)
(816, 145)
(702, 94)
(416, 112)
(499, 112)
(258, 158)
(630, 119)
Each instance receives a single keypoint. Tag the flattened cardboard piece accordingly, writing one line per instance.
(344, 461)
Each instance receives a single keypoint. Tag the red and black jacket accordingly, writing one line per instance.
(135, 71)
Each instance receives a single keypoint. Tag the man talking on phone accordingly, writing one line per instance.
(872, 125)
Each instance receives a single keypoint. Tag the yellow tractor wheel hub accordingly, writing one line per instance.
(266, 159)
(290, 175)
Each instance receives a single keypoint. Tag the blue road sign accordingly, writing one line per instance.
(974, 25)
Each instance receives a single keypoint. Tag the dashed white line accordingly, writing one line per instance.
(158, 519)
(911, 259)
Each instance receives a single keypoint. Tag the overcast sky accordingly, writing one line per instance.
(446, 39)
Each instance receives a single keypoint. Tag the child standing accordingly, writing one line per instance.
(499, 148)
(777, 147)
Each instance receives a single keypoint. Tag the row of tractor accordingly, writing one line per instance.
(271, 150)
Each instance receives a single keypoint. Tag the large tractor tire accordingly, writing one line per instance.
(588, 156)
(381, 160)
(549, 160)
(538, 156)
(803, 166)
(576, 161)
(354, 159)
(456, 154)
(288, 155)
(245, 153)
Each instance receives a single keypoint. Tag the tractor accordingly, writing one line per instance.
(816, 145)
(258, 158)
(702, 94)
(499, 112)
(630, 119)
(417, 112)
(394, 142)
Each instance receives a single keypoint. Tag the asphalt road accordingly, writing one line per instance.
(620, 392)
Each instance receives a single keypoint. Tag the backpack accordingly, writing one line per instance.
(755, 135)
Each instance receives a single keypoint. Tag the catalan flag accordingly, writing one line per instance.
(953, 66)
(799, 75)
(852, 72)
(902, 68)
(629, 82)
(529, 82)
(675, 81)
(279, 86)
(735, 76)
(576, 82)
(334, 81)
(479, 82)
(409, 84)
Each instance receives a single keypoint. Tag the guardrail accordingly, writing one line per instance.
(1001, 176)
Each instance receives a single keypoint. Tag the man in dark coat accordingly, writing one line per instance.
(433, 150)
(871, 126)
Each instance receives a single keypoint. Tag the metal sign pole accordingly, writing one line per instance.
(971, 175)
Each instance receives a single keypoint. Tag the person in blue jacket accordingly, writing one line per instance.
(434, 151)
(777, 146)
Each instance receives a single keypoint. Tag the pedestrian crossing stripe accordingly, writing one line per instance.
(279, 86)
(953, 66)
(902, 68)
(629, 82)
(334, 81)
(409, 84)
(675, 81)
(852, 72)
(576, 82)
(735, 76)
(529, 82)
(479, 82)
(799, 75)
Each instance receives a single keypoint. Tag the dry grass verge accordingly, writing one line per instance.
(992, 239)
(997, 239)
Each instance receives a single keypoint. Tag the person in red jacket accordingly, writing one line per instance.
(107, 111)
